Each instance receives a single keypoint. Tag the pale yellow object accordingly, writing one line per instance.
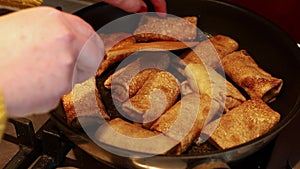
(2, 116)
(21, 3)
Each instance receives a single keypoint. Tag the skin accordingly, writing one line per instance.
(139, 5)
(44, 57)
(45, 52)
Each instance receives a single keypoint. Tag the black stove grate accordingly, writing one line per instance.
(45, 149)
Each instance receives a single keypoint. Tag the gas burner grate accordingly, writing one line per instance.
(46, 148)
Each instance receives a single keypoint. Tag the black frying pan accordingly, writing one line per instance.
(271, 48)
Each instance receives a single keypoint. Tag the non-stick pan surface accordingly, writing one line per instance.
(271, 48)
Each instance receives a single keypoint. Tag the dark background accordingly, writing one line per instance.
(284, 13)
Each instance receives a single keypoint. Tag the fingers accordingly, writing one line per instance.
(159, 6)
(138, 5)
(127, 5)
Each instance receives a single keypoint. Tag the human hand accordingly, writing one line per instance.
(44, 52)
(138, 5)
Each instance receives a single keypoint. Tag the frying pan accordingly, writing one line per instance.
(270, 47)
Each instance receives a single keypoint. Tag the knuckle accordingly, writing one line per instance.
(49, 11)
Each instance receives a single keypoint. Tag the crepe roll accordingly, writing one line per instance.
(126, 81)
(206, 80)
(205, 53)
(112, 42)
(125, 90)
(157, 95)
(244, 123)
(151, 46)
(211, 51)
(246, 73)
(128, 136)
(224, 45)
(184, 121)
(116, 40)
(83, 105)
(168, 28)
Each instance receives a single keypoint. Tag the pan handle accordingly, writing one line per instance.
(209, 164)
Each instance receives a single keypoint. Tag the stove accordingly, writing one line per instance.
(46, 148)
(35, 142)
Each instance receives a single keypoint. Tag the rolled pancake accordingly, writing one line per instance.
(122, 91)
(211, 51)
(246, 73)
(224, 45)
(116, 40)
(206, 80)
(184, 121)
(128, 136)
(157, 95)
(83, 105)
(111, 43)
(150, 46)
(126, 81)
(167, 29)
(138, 81)
(244, 123)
